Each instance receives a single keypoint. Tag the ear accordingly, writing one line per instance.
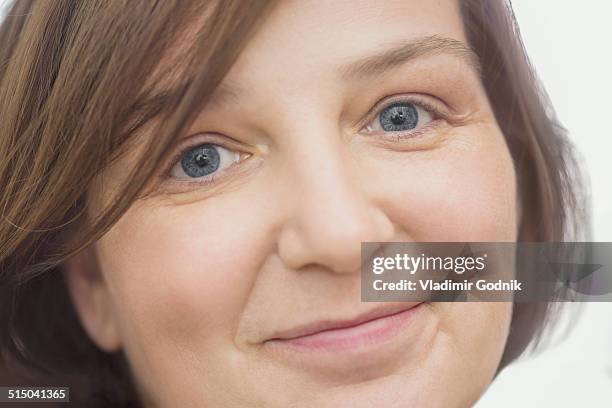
(92, 300)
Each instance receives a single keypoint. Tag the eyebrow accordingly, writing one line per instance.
(368, 66)
(226, 92)
(155, 103)
(405, 52)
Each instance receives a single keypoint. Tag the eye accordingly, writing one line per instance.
(202, 161)
(400, 117)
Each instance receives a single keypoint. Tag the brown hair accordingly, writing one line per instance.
(76, 81)
(554, 206)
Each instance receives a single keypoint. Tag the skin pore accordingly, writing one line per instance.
(197, 281)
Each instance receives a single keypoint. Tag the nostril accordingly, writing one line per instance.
(332, 240)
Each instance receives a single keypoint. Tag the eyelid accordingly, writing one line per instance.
(437, 109)
(191, 142)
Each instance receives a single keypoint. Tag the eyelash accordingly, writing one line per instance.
(193, 143)
(436, 112)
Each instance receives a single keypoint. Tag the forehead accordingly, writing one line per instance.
(312, 36)
(306, 41)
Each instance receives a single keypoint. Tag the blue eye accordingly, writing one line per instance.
(399, 117)
(203, 160)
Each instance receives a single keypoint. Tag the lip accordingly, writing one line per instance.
(368, 329)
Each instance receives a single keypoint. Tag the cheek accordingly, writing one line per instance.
(474, 335)
(462, 191)
(180, 275)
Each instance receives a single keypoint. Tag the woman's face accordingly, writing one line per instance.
(341, 122)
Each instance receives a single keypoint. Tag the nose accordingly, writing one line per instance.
(333, 214)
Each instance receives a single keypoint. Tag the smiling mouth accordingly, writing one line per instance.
(371, 329)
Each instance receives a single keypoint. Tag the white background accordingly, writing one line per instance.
(570, 44)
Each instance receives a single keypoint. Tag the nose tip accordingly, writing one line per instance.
(330, 234)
